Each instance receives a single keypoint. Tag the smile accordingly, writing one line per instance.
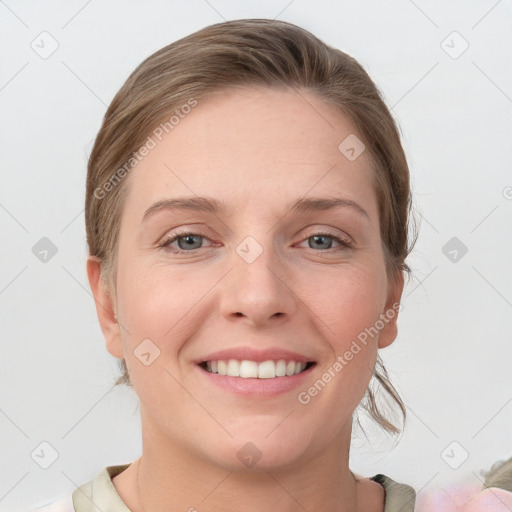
(247, 369)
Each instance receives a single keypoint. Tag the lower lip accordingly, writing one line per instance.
(257, 387)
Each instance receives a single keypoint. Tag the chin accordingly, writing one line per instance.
(259, 453)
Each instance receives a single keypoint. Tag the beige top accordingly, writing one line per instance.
(100, 494)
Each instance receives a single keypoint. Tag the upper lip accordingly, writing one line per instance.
(250, 354)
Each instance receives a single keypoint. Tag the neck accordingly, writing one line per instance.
(177, 478)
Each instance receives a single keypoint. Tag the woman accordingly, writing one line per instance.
(247, 218)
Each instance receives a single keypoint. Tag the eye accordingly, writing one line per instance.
(187, 241)
(324, 241)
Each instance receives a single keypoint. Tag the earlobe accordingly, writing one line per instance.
(105, 308)
(389, 316)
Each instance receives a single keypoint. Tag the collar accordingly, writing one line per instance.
(100, 494)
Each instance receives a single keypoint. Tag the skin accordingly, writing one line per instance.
(256, 150)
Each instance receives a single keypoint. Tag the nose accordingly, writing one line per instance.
(258, 293)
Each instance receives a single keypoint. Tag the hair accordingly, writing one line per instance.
(246, 53)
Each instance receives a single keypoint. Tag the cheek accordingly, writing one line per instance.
(160, 303)
(346, 310)
(347, 306)
(163, 303)
(150, 296)
(155, 307)
(346, 301)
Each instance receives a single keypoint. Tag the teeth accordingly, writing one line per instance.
(251, 369)
(280, 368)
(222, 367)
(246, 369)
(233, 368)
(267, 370)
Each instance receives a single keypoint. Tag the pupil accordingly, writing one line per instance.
(320, 237)
(189, 241)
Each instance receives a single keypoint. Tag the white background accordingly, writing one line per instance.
(452, 359)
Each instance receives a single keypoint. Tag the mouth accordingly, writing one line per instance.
(246, 369)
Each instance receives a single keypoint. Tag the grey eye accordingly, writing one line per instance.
(322, 240)
(189, 242)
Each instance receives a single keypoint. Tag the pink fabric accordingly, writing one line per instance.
(464, 498)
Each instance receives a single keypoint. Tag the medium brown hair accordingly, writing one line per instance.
(246, 53)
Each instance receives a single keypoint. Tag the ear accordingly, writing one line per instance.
(389, 332)
(105, 308)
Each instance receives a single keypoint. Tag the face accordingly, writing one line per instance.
(261, 270)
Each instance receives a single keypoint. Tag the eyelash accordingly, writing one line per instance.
(165, 244)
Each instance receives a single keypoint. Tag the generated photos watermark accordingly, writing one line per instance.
(304, 397)
(151, 143)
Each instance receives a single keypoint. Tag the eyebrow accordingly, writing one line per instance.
(211, 205)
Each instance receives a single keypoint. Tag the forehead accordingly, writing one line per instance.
(252, 147)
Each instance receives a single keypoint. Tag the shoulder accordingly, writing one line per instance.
(100, 492)
(492, 495)
(397, 496)
(500, 476)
